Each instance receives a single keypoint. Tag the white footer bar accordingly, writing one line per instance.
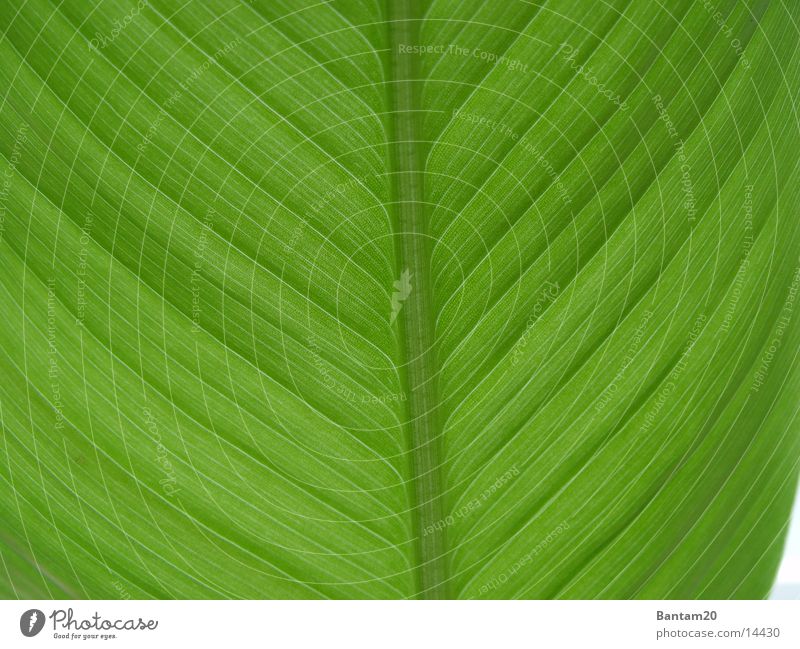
(403, 624)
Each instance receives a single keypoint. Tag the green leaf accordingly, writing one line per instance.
(398, 299)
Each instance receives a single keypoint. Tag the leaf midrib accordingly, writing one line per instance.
(417, 361)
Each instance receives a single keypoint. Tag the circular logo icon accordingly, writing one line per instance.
(31, 622)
